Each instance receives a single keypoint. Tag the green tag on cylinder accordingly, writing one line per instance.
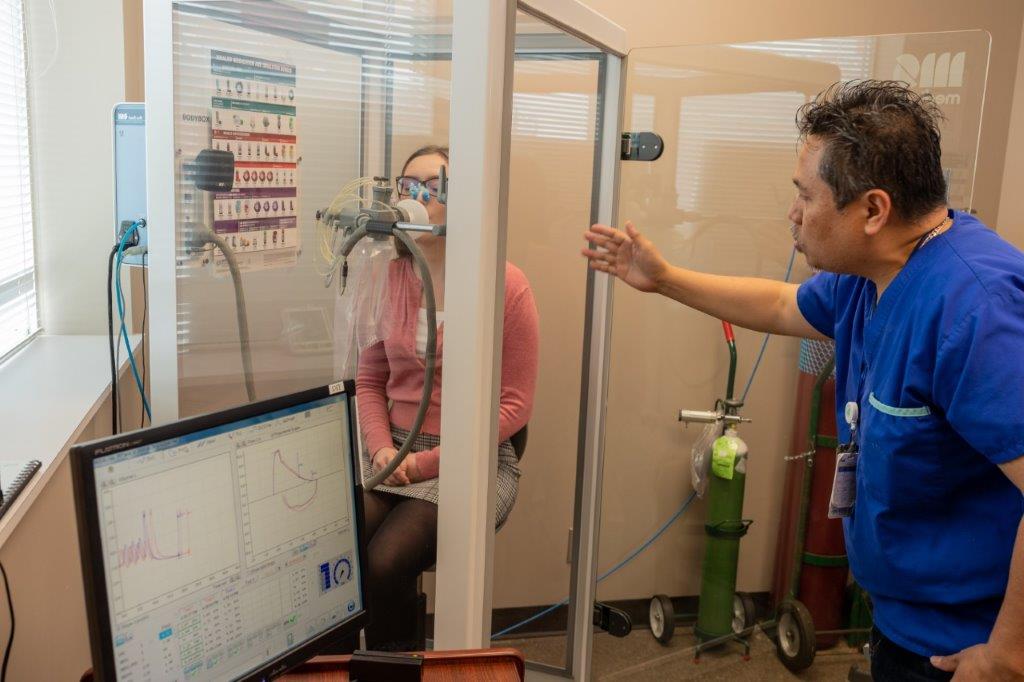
(723, 457)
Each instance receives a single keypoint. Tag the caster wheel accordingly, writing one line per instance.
(662, 618)
(796, 638)
(744, 613)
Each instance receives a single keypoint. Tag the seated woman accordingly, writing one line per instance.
(401, 513)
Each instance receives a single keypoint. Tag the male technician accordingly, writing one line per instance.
(926, 306)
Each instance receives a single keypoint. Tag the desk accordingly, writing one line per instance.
(485, 665)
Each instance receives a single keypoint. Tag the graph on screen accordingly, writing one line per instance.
(169, 533)
(146, 545)
(291, 490)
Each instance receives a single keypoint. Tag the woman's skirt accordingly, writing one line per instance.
(508, 474)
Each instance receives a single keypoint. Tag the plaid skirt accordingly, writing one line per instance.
(508, 474)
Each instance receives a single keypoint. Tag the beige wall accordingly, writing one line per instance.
(1011, 205)
(690, 22)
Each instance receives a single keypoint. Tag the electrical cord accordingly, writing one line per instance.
(10, 637)
(123, 334)
(110, 339)
(611, 571)
(145, 319)
(764, 343)
(120, 403)
(120, 311)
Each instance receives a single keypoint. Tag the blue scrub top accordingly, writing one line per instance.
(937, 370)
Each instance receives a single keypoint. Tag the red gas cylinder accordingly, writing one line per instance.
(823, 573)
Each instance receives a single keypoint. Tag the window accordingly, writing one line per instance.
(555, 115)
(739, 139)
(19, 319)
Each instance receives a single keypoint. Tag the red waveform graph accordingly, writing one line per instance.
(145, 547)
(292, 478)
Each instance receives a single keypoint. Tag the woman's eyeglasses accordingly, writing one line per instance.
(412, 187)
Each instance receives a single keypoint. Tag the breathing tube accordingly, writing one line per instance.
(378, 221)
(201, 236)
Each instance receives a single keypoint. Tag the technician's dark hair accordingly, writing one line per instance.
(427, 150)
(878, 135)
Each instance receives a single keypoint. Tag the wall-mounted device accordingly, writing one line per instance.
(641, 146)
(130, 176)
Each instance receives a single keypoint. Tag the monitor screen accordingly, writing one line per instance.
(225, 548)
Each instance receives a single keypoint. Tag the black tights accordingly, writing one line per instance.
(401, 537)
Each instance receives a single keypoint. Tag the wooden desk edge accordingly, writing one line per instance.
(330, 663)
(326, 663)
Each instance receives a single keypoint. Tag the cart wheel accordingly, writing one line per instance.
(796, 638)
(662, 618)
(744, 613)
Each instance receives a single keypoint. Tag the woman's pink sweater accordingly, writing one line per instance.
(391, 370)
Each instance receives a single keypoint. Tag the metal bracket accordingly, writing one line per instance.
(641, 146)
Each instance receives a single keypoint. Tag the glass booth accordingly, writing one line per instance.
(311, 96)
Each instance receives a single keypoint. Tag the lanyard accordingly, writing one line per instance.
(862, 378)
(928, 236)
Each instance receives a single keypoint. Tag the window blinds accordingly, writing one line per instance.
(19, 319)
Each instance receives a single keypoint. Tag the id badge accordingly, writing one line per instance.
(844, 484)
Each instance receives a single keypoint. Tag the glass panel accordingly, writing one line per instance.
(551, 170)
(304, 95)
(554, 133)
(361, 86)
(716, 201)
(298, 93)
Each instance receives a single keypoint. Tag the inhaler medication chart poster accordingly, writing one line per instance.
(254, 118)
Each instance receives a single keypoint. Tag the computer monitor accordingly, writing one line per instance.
(227, 546)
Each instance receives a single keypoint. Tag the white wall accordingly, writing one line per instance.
(70, 110)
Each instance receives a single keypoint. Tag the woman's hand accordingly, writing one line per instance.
(627, 255)
(412, 469)
(382, 458)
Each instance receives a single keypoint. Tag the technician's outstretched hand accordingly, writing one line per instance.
(758, 304)
(628, 255)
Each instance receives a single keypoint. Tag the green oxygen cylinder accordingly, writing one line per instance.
(724, 528)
